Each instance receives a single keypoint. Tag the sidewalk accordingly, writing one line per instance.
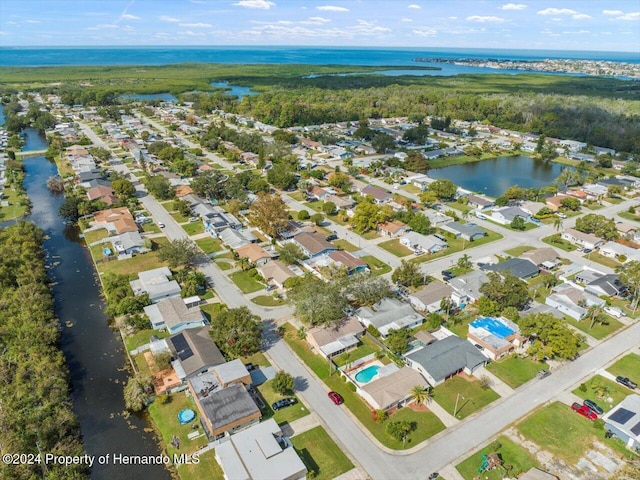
(305, 423)
(496, 384)
(444, 416)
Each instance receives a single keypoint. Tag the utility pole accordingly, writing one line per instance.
(455, 410)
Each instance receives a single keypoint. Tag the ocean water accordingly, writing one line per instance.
(392, 57)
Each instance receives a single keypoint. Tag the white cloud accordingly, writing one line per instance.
(128, 16)
(612, 12)
(484, 19)
(513, 6)
(331, 8)
(260, 4)
(34, 21)
(452, 18)
(415, 6)
(427, 32)
(315, 21)
(192, 34)
(578, 32)
(629, 16)
(406, 20)
(167, 18)
(196, 25)
(564, 11)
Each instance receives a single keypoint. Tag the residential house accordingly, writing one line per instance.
(260, 452)
(391, 387)
(497, 336)
(156, 284)
(585, 240)
(444, 359)
(609, 285)
(313, 244)
(275, 273)
(624, 421)
(116, 220)
(215, 219)
(480, 203)
(351, 263)
(393, 228)
(379, 195)
(595, 191)
(572, 301)
(544, 258)
(86, 176)
(436, 218)
(254, 253)
(619, 252)
(554, 203)
(194, 352)
(420, 244)
(467, 231)
(223, 409)
(235, 239)
(429, 297)
(104, 194)
(626, 230)
(580, 195)
(128, 244)
(335, 339)
(523, 269)
(340, 202)
(506, 215)
(317, 193)
(182, 191)
(466, 288)
(389, 314)
(174, 315)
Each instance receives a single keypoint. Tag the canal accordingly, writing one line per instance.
(492, 177)
(94, 352)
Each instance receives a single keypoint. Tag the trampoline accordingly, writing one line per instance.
(185, 416)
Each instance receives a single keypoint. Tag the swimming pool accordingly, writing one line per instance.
(365, 376)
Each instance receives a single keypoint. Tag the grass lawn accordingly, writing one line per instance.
(257, 359)
(209, 245)
(366, 347)
(268, 301)
(211, 310)
(627, 366)
(376, 266)
(511, 454)
(462, 207)
(299, 196)
(555, 241)
(515, 371)
(338, 219)
(320, 454)
(475, 397)
(287, 414)
(193, 228)
(343, 244)
(411, 189)
(150, 228)
(629, 216)
(14, 209)
(427, 423)
(224, 265)
(179, 217)
(370, 235)
(456, 245)
(461, 328)
(601, 259)
(395, 247)
(206, 468)
(142, 337)
(315, 206)
(598, 331)
(561, 431)
(245, 282)
(141, 365)
(165, 419)
(95, 235)
(517, 251)
(139, 263)
(603, 391)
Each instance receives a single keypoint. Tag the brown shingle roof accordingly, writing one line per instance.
(314, 242)
(346, 259)
(253, 252)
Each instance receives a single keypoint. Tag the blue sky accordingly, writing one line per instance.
(612, 25)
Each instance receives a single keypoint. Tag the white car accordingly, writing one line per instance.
(614, 311)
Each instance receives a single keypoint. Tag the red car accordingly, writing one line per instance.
(336, 398)
(584, 411)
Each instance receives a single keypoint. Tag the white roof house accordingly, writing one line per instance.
(174, 315)
(389, 314)
(260, 452)
(156, 283)
(616, 250)
(422, 243)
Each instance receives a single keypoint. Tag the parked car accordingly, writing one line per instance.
(561, 215)
(544, 373)
(584, 411)
(593, 406)
(447, 274)
(614, 312)
(193, 219)
(331, 237)
(336, 398)
(283, 403)
(626, 382)
(478, 346)
(161, 225)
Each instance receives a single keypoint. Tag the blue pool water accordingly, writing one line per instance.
(365, 376)
(186, 415)
(493, 326)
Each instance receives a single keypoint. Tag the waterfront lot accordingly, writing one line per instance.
(320, 454)
(206, 468)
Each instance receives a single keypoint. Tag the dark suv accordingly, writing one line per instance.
(285, 402)
(593, 406)
(626, 382)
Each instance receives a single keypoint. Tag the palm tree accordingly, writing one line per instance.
(421, 394)
(557, 224)
(244, 263)
(594, 313)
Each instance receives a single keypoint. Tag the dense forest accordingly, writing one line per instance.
(35, 408)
